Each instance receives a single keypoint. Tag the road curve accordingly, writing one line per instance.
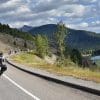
(15, 82)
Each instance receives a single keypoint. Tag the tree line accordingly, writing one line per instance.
(42, 45)
(15, 32)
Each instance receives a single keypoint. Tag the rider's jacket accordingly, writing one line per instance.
(2, 60)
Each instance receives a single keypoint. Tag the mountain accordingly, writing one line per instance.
(25, 28)
(80, 39)
(15, 32)
(13, 38)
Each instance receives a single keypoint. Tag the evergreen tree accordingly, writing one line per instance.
(15, 33)
(76, 56)
(42, 45)
(60, 41)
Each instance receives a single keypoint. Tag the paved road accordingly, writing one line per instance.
(18, 85)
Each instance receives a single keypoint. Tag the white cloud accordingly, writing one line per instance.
(3, 1)
(83, 14)
(84, 24)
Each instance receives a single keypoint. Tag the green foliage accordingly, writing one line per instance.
(76, 57)
(60, 41)
(42, 45)
(79, 39)
(15, 33)
(67, 52)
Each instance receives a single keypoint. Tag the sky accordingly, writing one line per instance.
(76, 14)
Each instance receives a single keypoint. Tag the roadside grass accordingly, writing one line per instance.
(70, 69)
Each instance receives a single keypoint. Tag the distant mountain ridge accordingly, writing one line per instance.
(15, 32)
(25, 28)
(80, 39)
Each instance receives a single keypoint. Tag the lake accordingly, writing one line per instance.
(96, 59)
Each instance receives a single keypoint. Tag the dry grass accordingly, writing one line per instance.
(70, 70)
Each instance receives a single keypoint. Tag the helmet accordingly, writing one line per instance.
(1, 53)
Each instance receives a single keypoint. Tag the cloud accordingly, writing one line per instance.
(75, 13)
(46, 5)
(81, 25)
(3, 1)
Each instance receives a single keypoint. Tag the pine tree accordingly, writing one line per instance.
(76, 57)
(42, 45)
(60, 41)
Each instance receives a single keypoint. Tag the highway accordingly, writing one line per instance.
(19, 85)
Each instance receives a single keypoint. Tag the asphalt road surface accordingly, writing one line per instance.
(18, 85)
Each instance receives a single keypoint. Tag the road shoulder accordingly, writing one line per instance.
(84, 85)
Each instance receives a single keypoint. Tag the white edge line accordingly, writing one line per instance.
(24, 90)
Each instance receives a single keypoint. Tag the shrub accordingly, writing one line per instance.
(76, 56)
(42, 45)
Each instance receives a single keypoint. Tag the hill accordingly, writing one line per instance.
(15, 32)
(25, 28)
(12, 38)
(80, 39)
(4, 44)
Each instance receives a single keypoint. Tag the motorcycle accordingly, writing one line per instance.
(3, 69)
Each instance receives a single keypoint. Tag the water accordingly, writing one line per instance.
(95, 58)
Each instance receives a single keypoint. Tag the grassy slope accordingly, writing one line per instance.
(70, 70)
(5, 42)
(4, 47)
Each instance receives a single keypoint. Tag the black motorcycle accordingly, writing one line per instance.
(3, 69)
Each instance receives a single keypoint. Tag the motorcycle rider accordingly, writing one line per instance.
(2, 63)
